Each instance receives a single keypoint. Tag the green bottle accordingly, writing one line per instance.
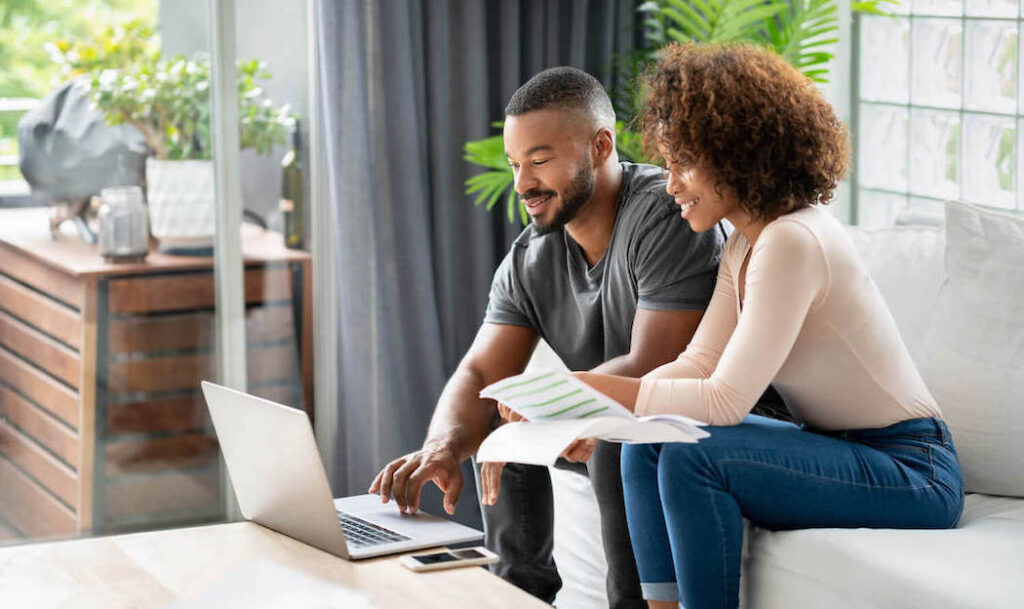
(293, 202)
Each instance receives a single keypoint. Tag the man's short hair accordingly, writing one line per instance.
(564, 88)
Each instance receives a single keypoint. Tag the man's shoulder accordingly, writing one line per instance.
(643, 198)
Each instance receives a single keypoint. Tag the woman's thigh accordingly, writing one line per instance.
(783, 477)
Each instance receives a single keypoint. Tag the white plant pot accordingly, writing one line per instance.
(181, 198)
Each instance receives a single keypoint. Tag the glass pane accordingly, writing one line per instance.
(901, 7)
(991, 66)
(935, 153)
(1020, 162)
(952, 8)
(937, 62)
(926, 208)
(883, 147)
(991, 8)
(885, 59)
(102, 349)
(275, 187)
(879, 209)
(989, 164)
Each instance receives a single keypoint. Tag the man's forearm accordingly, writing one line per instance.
(462, 419)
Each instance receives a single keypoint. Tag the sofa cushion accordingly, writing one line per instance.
(906, 263)
(974, 348)
(976, 565)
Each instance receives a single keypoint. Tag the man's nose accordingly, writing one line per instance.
(524, 180)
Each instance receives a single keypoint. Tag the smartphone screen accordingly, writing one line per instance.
(433, 559)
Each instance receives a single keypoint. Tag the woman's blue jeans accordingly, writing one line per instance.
(685, 503)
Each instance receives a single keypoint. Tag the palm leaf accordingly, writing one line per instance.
(714, 20)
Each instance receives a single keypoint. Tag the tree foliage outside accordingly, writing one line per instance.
(32, 31)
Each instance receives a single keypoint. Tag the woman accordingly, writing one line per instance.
(746, 137)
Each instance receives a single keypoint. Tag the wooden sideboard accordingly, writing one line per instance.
(102, 426)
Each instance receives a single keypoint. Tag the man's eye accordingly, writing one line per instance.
(541, 161)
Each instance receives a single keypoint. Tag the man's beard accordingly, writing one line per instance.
(573, 199)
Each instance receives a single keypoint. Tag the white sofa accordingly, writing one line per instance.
(965, 329)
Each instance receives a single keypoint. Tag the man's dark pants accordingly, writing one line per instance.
(520, 526)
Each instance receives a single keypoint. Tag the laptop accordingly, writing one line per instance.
(280, 483)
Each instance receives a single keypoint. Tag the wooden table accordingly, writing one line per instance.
(153, 569)
(102, 426)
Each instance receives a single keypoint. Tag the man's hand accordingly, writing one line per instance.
(580, 450)
(403, 478)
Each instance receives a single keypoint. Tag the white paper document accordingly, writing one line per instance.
(561, 408)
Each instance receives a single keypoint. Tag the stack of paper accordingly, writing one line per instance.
(561, 408)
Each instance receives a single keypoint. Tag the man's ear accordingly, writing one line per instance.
(602, 145)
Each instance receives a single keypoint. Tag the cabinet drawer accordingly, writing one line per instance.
(135, 456)
(174, 415)
(165, 497)
(192, 290)
(268, 364)
(195, 331)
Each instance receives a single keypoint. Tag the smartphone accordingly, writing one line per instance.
(449, 559)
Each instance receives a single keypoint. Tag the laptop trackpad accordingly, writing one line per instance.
(368, 507)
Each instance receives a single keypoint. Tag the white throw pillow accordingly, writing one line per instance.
(906, 263)
(974, 349)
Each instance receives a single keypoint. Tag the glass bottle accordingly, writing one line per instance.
(293, 200)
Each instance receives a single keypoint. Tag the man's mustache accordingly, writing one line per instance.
(529, 194)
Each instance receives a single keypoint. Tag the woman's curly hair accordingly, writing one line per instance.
(752, 120)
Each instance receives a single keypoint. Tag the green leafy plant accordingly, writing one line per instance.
(802, 31)
(168, 101)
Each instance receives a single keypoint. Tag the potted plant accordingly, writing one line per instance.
(168, 101)
(802, 31)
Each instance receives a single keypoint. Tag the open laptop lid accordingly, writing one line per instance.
(275, 468)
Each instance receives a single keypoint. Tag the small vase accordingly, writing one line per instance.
(181, 198)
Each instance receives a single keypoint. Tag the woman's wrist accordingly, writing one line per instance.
(622, 389)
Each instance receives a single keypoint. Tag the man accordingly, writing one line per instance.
(609, 275)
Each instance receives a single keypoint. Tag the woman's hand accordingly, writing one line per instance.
(490, 473)
(580, 450)
(508, 415)
(490, 482)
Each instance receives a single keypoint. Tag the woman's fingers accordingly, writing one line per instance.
(580, 450)
(490, 479)
(508, 415)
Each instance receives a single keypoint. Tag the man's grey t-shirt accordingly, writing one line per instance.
(653, 261)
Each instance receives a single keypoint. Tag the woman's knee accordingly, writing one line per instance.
(685, 464)
(636, 459)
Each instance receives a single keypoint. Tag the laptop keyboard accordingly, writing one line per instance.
(360, 533)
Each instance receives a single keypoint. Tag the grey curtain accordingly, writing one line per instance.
(404, 84)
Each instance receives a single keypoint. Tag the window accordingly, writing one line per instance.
(939, 107)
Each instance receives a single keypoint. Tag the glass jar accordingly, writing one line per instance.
(124, 231)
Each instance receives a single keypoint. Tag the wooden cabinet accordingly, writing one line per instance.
(102, 426)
